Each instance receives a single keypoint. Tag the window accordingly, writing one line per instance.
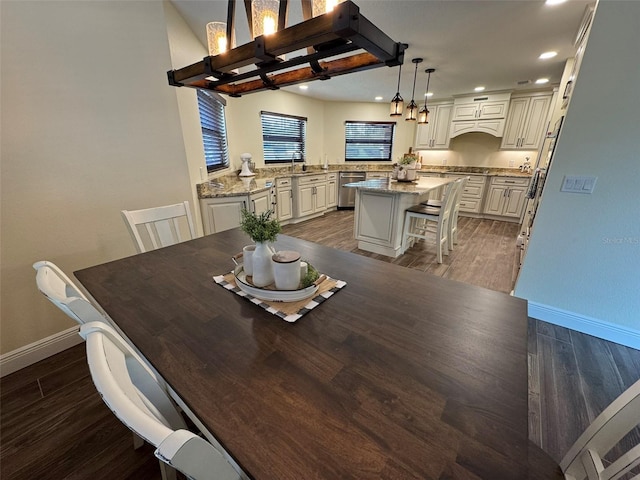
(368, 141)
(214, 131)
(282, 137)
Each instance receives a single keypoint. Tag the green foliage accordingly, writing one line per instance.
(311, 276)
(408, 158)
(261, 228)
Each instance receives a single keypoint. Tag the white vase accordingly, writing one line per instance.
(262, 266)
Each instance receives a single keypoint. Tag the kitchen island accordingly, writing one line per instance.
(380, 208)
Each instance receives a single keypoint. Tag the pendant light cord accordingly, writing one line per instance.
(426, 93)
(415, 74)
(399, 74)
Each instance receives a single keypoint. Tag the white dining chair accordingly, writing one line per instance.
(585, 458)
(64, 294)
(419, 218)
(161, 226)
(144, 406)
(455, 210)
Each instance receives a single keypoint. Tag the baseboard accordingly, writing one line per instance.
(34, 352)
(591, 326)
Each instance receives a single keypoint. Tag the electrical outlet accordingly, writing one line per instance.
(444, 161)
(512, 163)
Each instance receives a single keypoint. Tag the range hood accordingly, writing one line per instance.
(480, 113)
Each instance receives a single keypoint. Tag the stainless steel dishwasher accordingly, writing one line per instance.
(347, 195)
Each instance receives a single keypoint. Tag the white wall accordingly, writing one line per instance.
(244, 129)
(336, 113)
(582, 267)
(89, 127)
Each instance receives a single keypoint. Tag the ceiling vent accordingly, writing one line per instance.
(524, 82)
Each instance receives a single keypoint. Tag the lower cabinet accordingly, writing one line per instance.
(332, 190)
(284, 199)
(471, 199)
(224, 213)
(506, 196)
(309, 195)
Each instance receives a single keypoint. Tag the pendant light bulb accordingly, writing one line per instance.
(412, 108)
(397, 103)
(423, 116)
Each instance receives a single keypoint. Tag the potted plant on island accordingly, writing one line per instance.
(263, 230)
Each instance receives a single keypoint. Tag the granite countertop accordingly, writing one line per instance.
(386, 185)
(233, 185)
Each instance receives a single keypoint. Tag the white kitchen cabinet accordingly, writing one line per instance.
(526, 122)
(260, 202)
(222, 213)
(435, 134)
(309, 195)
(506, 196)
(284, 199)
(480, 113)
(473, 193)
(481, 107)
(332, 190)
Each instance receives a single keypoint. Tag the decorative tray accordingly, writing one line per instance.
(269, 293)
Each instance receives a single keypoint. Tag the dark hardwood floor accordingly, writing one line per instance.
(53, 424)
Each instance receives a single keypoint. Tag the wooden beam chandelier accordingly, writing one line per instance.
(342, 30)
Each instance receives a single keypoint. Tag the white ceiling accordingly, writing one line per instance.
(494, 43)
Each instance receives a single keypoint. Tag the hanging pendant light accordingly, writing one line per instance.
(217, 38)
(423, 116)
(265, 17)
(412, 108)
(320, 7)
(397, 103)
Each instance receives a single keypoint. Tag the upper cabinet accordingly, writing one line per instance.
(526, 122)
(435, 134)
(480, 113)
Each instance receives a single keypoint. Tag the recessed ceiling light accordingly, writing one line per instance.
(378, 98)
(478, 89)
(545, 55)
(428, 94)
(542, 80)
(554, 2)
(303, 87)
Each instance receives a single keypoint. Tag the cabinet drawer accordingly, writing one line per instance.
(332, 176)
(470, 205)
(472, 191)
(511, 181)
(283, 182)
(311, 179)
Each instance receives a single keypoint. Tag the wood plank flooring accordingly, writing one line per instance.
(53, 424)
(485, 254)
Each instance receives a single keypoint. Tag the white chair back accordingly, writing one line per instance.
(453, 223)
(584, 459)
(63, 293)
(141, 403)
(161, 225)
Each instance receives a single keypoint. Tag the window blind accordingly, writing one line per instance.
(283, 136)
(214, 131)
(368, 141)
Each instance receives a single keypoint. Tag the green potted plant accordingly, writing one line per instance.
(263, 230)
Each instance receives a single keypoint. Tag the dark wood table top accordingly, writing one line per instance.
(399, 375)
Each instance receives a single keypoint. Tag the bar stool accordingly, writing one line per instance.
(455, 209)
(419, 218)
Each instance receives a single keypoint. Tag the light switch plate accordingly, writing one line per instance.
(578, 184)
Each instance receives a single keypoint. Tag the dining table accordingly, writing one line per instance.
(400, 374)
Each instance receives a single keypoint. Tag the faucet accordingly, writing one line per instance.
(293, 161)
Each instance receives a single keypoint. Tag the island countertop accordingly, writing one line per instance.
(418, 187)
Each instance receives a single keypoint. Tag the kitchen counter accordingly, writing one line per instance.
(380, 208)
(232, 185)
(386, 185)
